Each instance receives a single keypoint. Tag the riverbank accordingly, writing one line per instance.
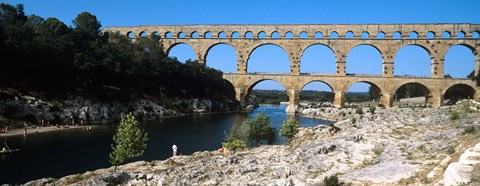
(398, 146)
(32, 131)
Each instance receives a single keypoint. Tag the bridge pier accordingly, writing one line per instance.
(293, 101)
(387, 99)
(240, 94)
(434, 100)
(339, 99)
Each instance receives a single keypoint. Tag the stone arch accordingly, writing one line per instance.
(430, 35)
(289, 35)
(447, 62)
(380, 35)
(318, 34)
(461, 34)
(329, 95)
(313, 81)
(222, 35)
(168, 34)
(306, 65)
(249, 34)
(248, 60)
(275, 34)
(181, 35)
(446, 34)
(413, 35)
(430, 58)
(397, 35)
(250, 87)
(222, 43)
(459, 91)
(131, 35)
(365, 35)
(412, 89)
(333, 34)
(262, 35)
(207, 35)
(378, 89)
(181, 43)
(235, 35)
(194, 34)
(303, 35)
(155, 34)
(143, 34)
(229, 90)
(349, 35)
(362, 47)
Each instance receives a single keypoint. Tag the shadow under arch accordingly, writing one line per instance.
(458, 92)
(412, 93)
(233, 66)
(372, 99)
(269, 45)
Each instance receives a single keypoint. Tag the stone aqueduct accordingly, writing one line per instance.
(246, 38)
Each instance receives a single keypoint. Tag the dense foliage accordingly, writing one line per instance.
(129, 141)
(47, 55)
(290, 128)
(252, 131)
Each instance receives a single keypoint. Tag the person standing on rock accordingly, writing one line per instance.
(174, 148)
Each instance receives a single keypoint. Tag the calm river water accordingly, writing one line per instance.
(64, 152)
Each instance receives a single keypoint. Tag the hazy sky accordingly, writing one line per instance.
(459, 61)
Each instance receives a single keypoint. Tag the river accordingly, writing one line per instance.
(64, 152)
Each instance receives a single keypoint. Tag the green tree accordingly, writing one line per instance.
(233, 139)
(129, 141)
(260, 129)
(290, 128)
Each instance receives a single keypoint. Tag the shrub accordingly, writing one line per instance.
(359, 111)
(354, 120)
(372, 110)
(454, 115)
(469, 130)
(290, 128)
(331, 180)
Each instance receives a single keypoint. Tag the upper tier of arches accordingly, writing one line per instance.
(342, 31)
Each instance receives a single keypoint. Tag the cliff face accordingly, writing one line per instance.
(75, 110)
(400, 146)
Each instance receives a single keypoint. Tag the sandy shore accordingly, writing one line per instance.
(30, 131)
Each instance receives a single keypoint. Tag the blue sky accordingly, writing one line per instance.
(458, 60)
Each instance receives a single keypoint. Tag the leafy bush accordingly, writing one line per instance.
(372, 110)
(331, 180)
(454, 115)
(359, 111)
(469, 130)
(260, 129)
(290, 128)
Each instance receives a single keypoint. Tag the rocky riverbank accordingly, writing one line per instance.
(88, 110)
(399, 146)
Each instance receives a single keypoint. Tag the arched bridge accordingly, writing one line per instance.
(436, 39)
